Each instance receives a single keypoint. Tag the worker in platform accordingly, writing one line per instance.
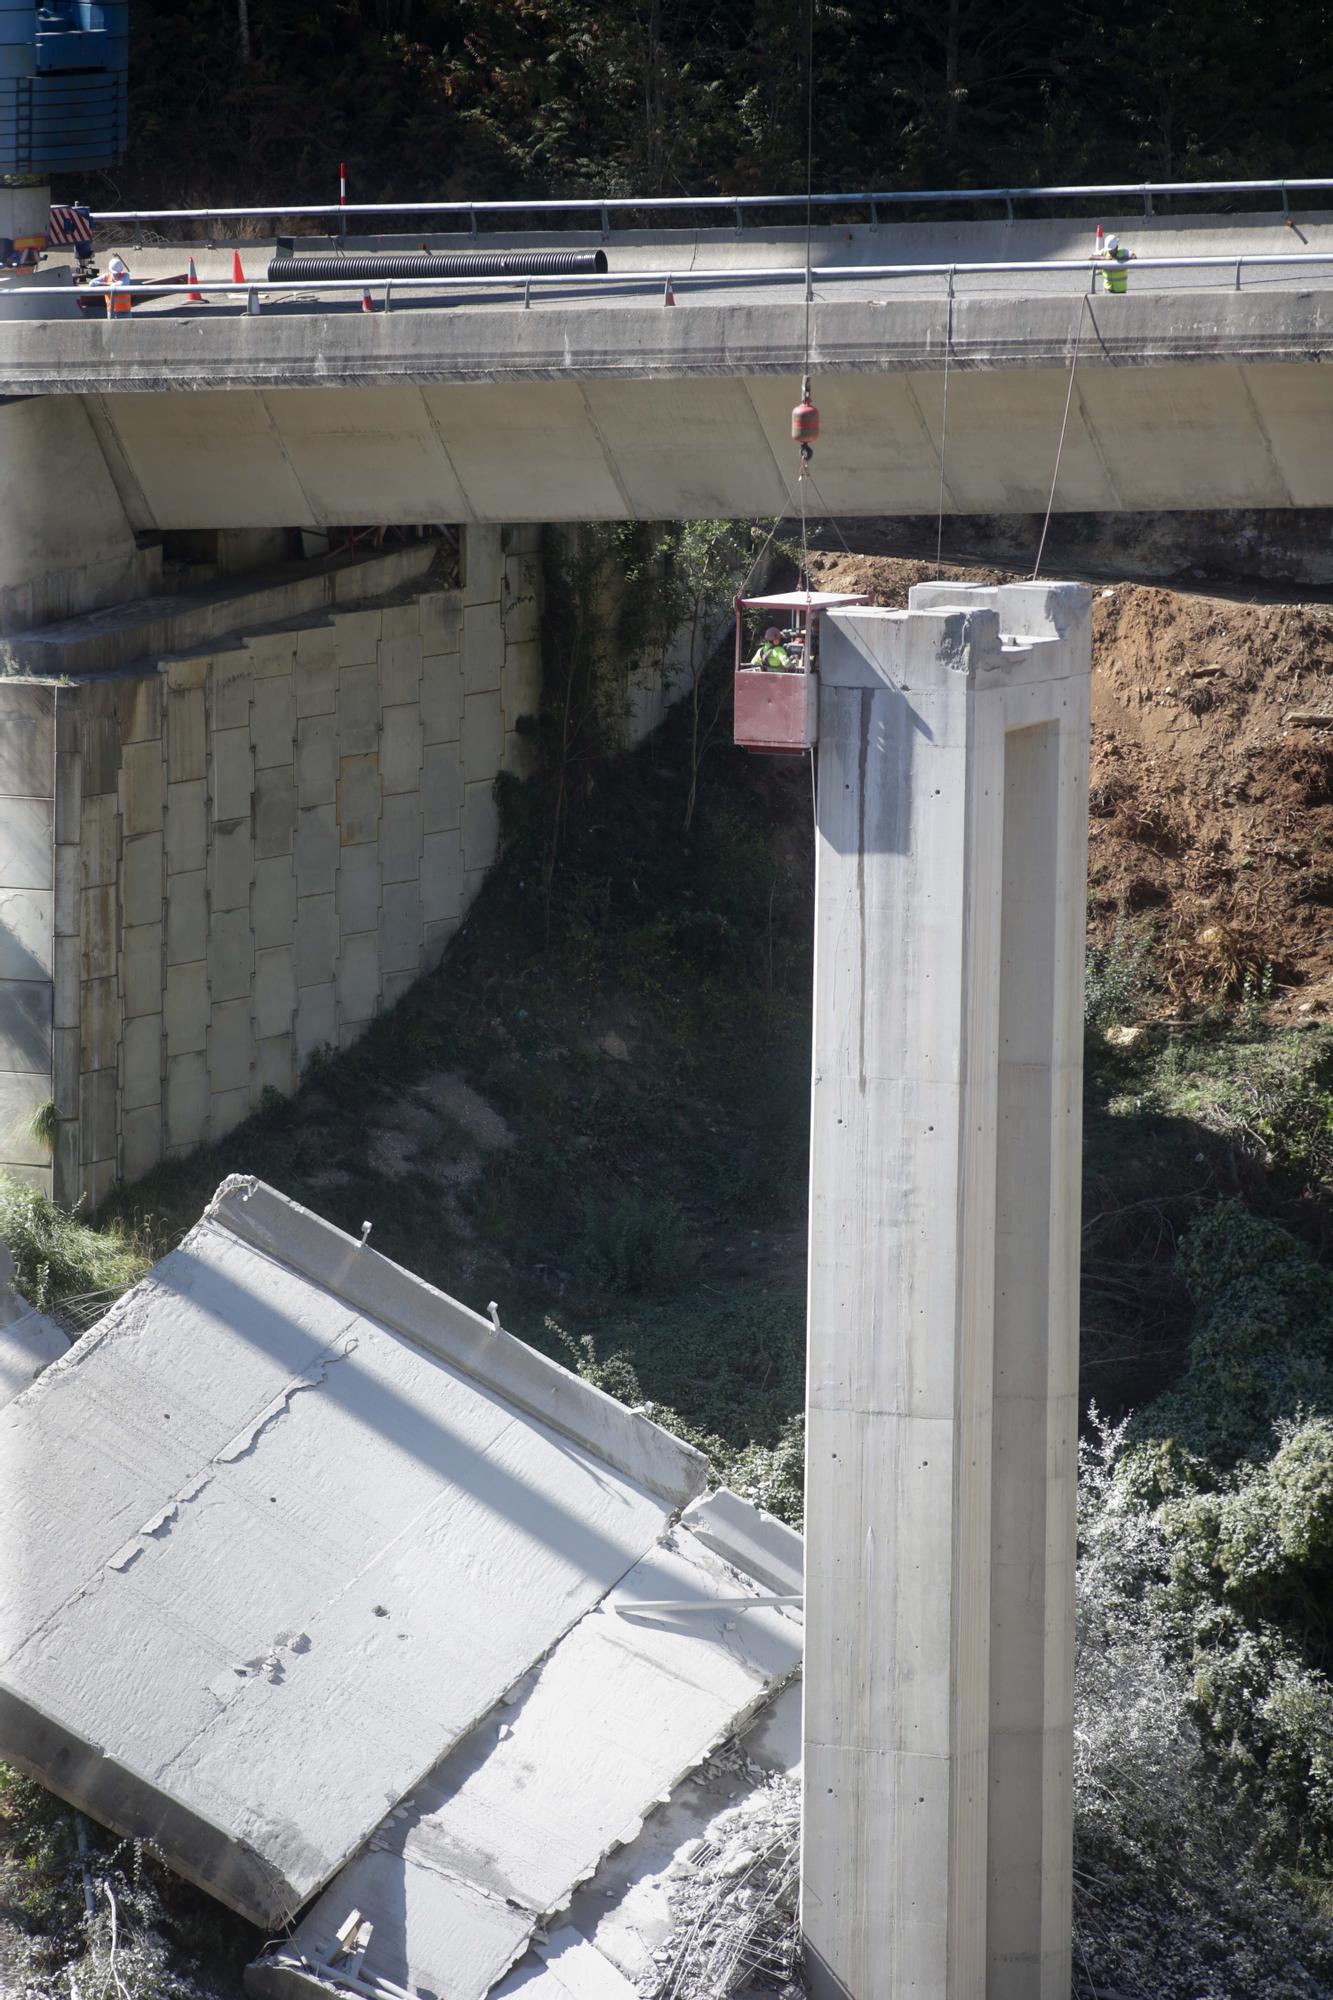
(771, 654)
(1115, 278)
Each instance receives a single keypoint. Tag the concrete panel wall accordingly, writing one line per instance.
(66, 544)
(260, 842)
(27, 910)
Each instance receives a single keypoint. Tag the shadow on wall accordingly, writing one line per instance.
(26, 995)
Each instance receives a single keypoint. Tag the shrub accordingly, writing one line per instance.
(1261, 1348)
(1201, 1760)
(1118, 979)
(641, 1247)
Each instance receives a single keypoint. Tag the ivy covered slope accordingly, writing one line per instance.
(247, 100)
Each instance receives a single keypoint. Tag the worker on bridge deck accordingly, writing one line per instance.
(117, 285)
(1115, 278)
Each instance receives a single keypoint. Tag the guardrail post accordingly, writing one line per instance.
(1147, 200)
(1009, 208)
(1286, 212)
(874, 218)
(606, 223)
(740, 220)
(388, 293)
(208, 232)
(527, 293)
(1239, 262)
(471, 220)
(252, 300)
(138, 232)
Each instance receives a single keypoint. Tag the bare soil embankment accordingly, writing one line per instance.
(1212, 780)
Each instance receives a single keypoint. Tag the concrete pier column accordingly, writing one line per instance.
(944, 1214)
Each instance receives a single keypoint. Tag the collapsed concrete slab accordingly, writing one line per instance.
(283, 1529)
(458, 1878)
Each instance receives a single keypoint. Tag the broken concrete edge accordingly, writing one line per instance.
(632, 1444)
(756, 1543)
(762, 1554)
(90, 1780)
(286, 1975)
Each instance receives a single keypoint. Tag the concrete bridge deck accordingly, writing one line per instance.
(1187, 391)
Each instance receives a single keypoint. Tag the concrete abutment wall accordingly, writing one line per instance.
(217, 860)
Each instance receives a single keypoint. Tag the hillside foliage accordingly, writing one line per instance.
(448, 98)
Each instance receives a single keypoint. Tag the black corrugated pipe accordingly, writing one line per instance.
(375, 264)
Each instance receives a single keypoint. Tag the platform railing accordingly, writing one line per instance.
(604, 211)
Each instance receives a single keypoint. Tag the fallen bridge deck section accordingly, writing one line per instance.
(281, 1530)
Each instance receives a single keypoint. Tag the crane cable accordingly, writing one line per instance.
(944, 428)
(1064, 426)
(805, 452)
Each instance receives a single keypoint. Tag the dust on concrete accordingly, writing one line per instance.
(1211, 796)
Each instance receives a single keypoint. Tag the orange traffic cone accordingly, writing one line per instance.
(367, 303)
(1101, 241)
(669, 294)
(194, 297)
(237, 269)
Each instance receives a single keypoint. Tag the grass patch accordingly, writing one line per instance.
(58, 1258)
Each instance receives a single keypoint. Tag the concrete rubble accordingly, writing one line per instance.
(356, 1606)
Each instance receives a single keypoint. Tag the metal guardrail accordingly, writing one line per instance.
(252, 289)
(737, 206)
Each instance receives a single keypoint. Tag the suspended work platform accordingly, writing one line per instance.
(777, 692)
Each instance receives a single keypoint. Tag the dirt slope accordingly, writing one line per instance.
(1212, 798)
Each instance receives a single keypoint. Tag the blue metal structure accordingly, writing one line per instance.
(63, 83)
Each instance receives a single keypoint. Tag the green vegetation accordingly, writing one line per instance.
(43, 1125)
(1119, 977)
(59, 1260)
(147, 1935)
(504, 98)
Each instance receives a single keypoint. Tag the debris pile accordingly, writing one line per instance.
(734, 1901)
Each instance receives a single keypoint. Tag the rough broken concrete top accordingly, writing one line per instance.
(460, 1875)
(280, 1531)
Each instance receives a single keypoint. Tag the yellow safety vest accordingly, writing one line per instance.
(1117, 278)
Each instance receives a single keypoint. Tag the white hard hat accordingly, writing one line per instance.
(1113, 242)
(118, 265)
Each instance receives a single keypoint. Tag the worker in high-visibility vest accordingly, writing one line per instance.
(771, 654)
(1115, 278)
(118, 298)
